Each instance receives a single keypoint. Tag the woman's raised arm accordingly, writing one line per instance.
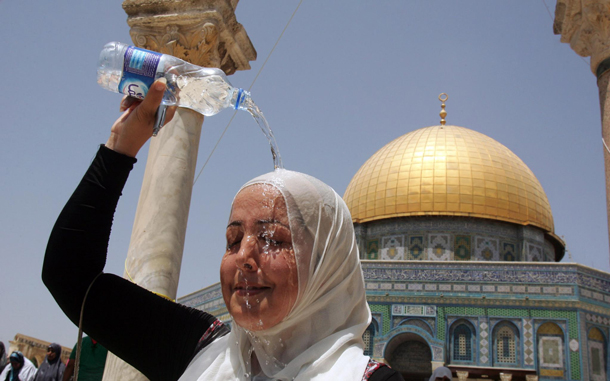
(122, 316)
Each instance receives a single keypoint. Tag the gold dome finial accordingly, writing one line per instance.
(443, 98)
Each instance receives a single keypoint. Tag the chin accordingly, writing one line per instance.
(250, 323)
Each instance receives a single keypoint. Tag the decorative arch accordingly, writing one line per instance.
(506, 344)
(410, 354)
(462, 342)
(551, 350)
(597, 354)
(417, 323)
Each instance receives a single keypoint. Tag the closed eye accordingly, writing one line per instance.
(231, 245)
(272, 241)
(234, 237)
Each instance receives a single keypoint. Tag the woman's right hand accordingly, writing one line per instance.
(135, 126)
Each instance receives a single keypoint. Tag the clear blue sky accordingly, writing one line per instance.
(347, 78)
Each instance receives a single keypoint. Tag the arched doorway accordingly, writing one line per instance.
(410, 354)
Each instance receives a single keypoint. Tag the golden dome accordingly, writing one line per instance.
(449, 171)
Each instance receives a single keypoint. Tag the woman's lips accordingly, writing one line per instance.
(249, 290)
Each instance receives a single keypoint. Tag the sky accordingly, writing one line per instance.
(346, 78)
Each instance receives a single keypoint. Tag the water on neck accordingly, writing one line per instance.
(257, 114)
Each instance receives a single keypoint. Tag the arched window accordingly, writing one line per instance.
(462, 340)
(551, 350)
(506, 344)
(462, 343)
(597, 354)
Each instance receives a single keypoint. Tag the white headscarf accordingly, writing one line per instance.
(26, 373)
(321, 338)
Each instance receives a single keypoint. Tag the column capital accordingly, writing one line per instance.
(205, 33)
(585, 25)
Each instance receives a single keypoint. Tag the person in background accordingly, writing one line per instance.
(441, 374)
(52, 368)
(92, 361)
(19, 369)
(3, 357)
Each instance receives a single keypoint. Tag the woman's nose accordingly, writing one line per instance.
(248, 254)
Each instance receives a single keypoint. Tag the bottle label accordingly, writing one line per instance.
(139, 70)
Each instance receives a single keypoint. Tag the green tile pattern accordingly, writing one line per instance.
(440, 322)
(384, 310)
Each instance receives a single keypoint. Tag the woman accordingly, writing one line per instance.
(290, 277)
(3, 357)
(18, 369)
(52, 368)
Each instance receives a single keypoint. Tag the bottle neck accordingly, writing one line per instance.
(240, 99)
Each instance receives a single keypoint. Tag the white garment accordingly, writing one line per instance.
(321, 338)
(27, 373)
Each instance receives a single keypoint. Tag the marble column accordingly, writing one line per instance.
(462, 375)
(205, 33)
(585, 25)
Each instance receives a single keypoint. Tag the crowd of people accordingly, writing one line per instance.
(17, 367)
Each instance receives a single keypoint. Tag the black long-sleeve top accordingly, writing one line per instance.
(128, 320)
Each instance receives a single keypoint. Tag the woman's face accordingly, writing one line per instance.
(258, 273)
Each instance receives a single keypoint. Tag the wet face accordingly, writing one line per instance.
(258, 273)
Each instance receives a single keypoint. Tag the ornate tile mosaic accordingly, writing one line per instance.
(486, 249)
(414, 322)
(550, 352)
(413, 310)
(597, 319)
(515, 236)
(597, 361)
(508, 253)
(439, 248)
(484, 340)
(372, 249)
(440, 327)
(416, 248)
(534, 253)
(462, 248)
(384, 311)
(393, 248)
(437, 353)
(528, 342)
(451, 272)
(533, 234)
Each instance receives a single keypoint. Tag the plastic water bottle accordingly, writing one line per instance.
(131, 71)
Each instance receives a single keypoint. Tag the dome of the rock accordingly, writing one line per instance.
(448, 170)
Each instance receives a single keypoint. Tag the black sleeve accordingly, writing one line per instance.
(385, 373)
(156, 336)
